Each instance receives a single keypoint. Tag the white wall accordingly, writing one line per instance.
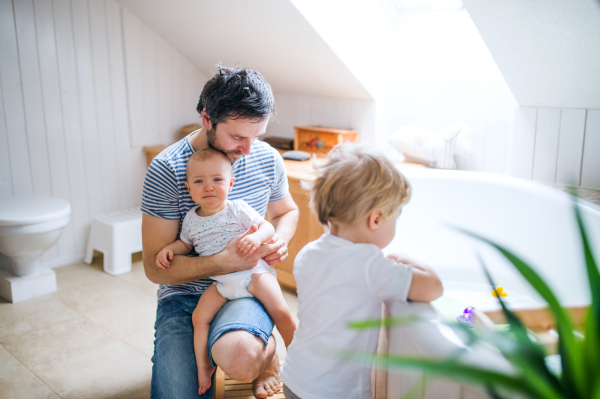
(557, 145)
(425, 72)
(72, 117)
(547, 50)
(302, 110)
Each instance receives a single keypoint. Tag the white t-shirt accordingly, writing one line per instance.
(338, 282)
(211, 234)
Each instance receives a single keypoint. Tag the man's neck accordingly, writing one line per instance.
(199, 141)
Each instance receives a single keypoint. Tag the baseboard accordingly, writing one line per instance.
(64, 261)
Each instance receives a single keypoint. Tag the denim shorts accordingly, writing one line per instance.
(174, 369)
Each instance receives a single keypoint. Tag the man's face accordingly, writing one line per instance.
(234, 137)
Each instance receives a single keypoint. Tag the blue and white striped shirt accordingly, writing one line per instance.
(260, 178)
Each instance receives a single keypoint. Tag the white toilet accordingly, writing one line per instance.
(28, 227)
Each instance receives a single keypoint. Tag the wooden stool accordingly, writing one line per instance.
(226, 387)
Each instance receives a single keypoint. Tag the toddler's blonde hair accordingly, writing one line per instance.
(204, 155)
(354, 181)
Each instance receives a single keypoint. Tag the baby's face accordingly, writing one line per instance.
(209, 182)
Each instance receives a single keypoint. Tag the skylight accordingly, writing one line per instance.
(424, 9)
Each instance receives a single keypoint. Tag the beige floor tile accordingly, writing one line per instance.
(76, 359)
(141, 392)
(81, 273)
(21, 318)
(117, 306)
(137, 276)
(142, 341)
(17, 382)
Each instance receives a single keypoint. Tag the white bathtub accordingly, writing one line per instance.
(535, 221)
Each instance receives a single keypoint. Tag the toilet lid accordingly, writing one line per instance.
(25, 210)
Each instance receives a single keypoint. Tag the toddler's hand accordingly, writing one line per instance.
(163, 258)
(393, 257)
(249, 244)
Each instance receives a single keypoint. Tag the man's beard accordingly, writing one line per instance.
(211, 138)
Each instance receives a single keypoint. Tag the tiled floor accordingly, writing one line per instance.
(93, 338)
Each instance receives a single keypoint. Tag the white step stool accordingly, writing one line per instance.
(117, 235)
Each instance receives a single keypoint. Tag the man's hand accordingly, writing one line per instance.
(237, 262)
(279, 252)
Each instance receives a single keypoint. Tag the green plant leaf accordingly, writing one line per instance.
(591, 345)
(529, 357)
(573, 378)
(385, 322)
(449, 368)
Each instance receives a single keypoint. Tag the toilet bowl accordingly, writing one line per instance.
(28, 227)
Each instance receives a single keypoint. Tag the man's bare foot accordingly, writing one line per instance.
(267, 384)
(204, 377)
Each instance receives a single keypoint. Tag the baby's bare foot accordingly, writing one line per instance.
(204, 375)
(267, 384)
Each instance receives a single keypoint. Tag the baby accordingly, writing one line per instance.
(344, 277)
(209, 227)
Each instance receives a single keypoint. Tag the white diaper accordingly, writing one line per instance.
(235, 285)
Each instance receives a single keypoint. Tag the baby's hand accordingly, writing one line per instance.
(163, 258)
(249, 244)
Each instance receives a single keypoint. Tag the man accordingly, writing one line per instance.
(235, 105)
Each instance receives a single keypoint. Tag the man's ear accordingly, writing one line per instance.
(374, 219)
(206, 120)
(231, 183)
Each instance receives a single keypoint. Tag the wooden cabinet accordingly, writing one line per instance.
(320, 140)
(309, 229)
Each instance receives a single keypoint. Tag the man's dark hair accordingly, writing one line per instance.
(236, 93)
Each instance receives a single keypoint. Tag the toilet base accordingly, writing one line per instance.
(19, 289)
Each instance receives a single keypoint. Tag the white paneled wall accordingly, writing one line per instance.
(84, 85)
(302, 110)
(590, 166)
(162, 86)
(557, 145)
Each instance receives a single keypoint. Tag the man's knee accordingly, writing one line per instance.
(241, 355)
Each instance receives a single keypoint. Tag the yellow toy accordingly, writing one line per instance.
(499, 291)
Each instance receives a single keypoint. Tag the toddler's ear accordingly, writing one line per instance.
(231, 183)
(374, 219)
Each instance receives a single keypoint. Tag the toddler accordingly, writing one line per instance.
(343, 276)
(209, 227)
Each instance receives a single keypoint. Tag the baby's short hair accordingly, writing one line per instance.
(354, 181)
(204, 155)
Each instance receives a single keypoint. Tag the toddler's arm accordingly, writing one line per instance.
(252, 241)
(426, 285)
(164, 257)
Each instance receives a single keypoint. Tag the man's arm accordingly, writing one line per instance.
(158, 233)
(283, 215)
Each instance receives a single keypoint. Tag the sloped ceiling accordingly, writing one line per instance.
(270, 36)
(547, 50)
